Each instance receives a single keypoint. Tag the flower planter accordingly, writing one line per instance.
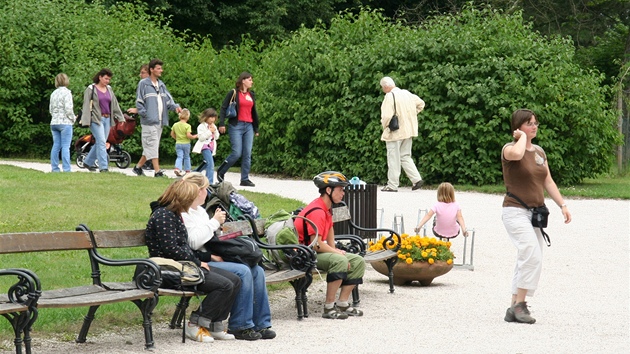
(421, 271)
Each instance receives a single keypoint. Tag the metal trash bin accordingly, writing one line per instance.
(361, 201)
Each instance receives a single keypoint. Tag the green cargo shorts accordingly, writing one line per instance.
(336, 267)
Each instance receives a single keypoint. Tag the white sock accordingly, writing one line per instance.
(343, 304)
(329, 305)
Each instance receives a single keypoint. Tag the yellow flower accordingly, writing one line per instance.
(416, 248)
(450, 261)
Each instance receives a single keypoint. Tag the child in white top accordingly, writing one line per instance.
(207, 133)
(448, 215)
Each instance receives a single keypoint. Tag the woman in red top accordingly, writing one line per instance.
(243, 127)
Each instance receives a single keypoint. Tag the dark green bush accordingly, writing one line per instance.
(318, 93)
(322, 98)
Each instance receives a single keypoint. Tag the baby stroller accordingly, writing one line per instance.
(117, 134)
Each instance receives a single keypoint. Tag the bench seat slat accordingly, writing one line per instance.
(279, 276)
(381, 255)
(73, 297)
(10, 307)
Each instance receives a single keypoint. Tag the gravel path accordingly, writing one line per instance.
(581, 306)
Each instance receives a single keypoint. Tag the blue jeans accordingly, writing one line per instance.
(207, 156)
(99, 150)
(251, 307)
(62, 136)
(242, 140)
(183, 155)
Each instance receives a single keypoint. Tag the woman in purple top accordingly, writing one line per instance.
(448, 215)
(99, 107)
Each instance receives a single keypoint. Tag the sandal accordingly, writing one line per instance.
(351, 311)
(334, 314)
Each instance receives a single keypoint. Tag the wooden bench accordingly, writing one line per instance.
(19, 306)
(298, 274)
(143, 294)
(298, 271)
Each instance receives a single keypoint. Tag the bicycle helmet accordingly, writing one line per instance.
(330, 179)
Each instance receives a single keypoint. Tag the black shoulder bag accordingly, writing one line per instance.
(393, 123)
(540, 216)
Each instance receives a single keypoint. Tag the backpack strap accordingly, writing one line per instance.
(305, 227)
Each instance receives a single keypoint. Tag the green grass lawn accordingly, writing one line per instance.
(36, 201)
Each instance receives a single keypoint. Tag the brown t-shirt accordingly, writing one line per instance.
(525, 178)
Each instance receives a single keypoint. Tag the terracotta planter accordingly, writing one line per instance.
(421, 271)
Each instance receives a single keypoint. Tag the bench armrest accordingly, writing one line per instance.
(148, 276)
(300, 257)
(356, 244)
(27, 289)
(392, 242)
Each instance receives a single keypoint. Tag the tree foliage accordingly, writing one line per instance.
(322, 107)
(318, 92)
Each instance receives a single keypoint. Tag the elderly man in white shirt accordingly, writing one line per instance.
(406, 106)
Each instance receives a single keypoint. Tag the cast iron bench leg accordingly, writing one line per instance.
(180, 312)
(355, 296)
(87, 321)
(146, 307)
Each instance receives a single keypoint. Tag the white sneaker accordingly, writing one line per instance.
(223, 335)
(199, 334)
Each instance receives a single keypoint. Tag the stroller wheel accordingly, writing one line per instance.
(80, 159)
(124, 160)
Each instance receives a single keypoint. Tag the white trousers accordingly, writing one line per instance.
(529, 245)
(399, 155)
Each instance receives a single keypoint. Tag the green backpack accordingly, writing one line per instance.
(280, 231)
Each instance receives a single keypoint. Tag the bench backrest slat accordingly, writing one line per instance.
(44, 241)
(119, 238)
(341, 213)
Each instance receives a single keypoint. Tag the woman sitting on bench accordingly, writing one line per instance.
(166, 237)
(250, 318)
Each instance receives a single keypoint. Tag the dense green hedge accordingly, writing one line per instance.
(318, 93)
(323, 98)
(44, 37)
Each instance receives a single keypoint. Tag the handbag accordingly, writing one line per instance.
(393, 123)
(230, 112)
(178, 275)
(238, 250)
(540, 217)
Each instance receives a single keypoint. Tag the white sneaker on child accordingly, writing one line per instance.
(199, 334)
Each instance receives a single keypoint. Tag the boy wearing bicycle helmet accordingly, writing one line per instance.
(344, 270)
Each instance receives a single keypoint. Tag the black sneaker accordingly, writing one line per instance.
(159, 173)
(267, 333)
(138, 171)
(417, 185)
(247, 183)
(91, 168)
(148, 165)
(103, 171)
(246, 334)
